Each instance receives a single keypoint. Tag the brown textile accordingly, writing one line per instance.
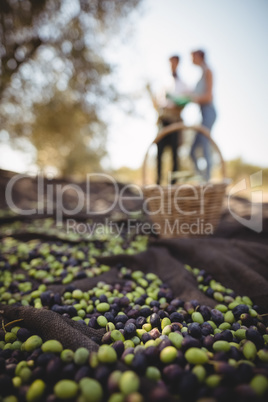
(240, 265)
(50, 325)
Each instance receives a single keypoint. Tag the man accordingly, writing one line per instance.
(168, 113)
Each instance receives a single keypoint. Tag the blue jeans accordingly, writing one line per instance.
(208, 118)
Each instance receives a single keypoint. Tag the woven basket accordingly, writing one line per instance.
(184, 210)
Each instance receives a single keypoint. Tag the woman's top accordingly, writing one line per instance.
(200, 87)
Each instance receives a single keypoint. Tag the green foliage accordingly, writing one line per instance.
(56, 81)
(238, 169)
(68, 137)
(127, 175)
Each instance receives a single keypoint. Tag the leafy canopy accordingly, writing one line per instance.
(55, 79)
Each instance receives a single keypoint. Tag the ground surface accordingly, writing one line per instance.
(43, 266)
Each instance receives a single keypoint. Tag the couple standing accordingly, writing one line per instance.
(170, 113)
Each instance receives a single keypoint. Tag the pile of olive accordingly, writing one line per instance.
(32, 370)
(29, 267)
(188, 350)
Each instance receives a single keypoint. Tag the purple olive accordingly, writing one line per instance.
(68, 371)
(176, 317)
(172, 373)
(139, 363)
(129, 331)
(155, 320)
(189, 342)
(119, 348)
(152, 354)
(194, 329)
(84, 371)
(53, 369)
(6, 384)
(217, 316)
(23, 334)
(240, 309)
(255, 337)
(145, 311)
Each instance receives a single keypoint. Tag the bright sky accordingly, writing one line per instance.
(234, 34)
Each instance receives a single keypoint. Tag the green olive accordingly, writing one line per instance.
(196, 356)
(65, 389)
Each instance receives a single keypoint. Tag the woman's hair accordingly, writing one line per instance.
(175, 56)
(200, 53)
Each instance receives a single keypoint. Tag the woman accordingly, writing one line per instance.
(202, 95)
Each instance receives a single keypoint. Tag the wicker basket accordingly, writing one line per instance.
(184, 210)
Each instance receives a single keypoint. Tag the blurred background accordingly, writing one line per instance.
(73, 96)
